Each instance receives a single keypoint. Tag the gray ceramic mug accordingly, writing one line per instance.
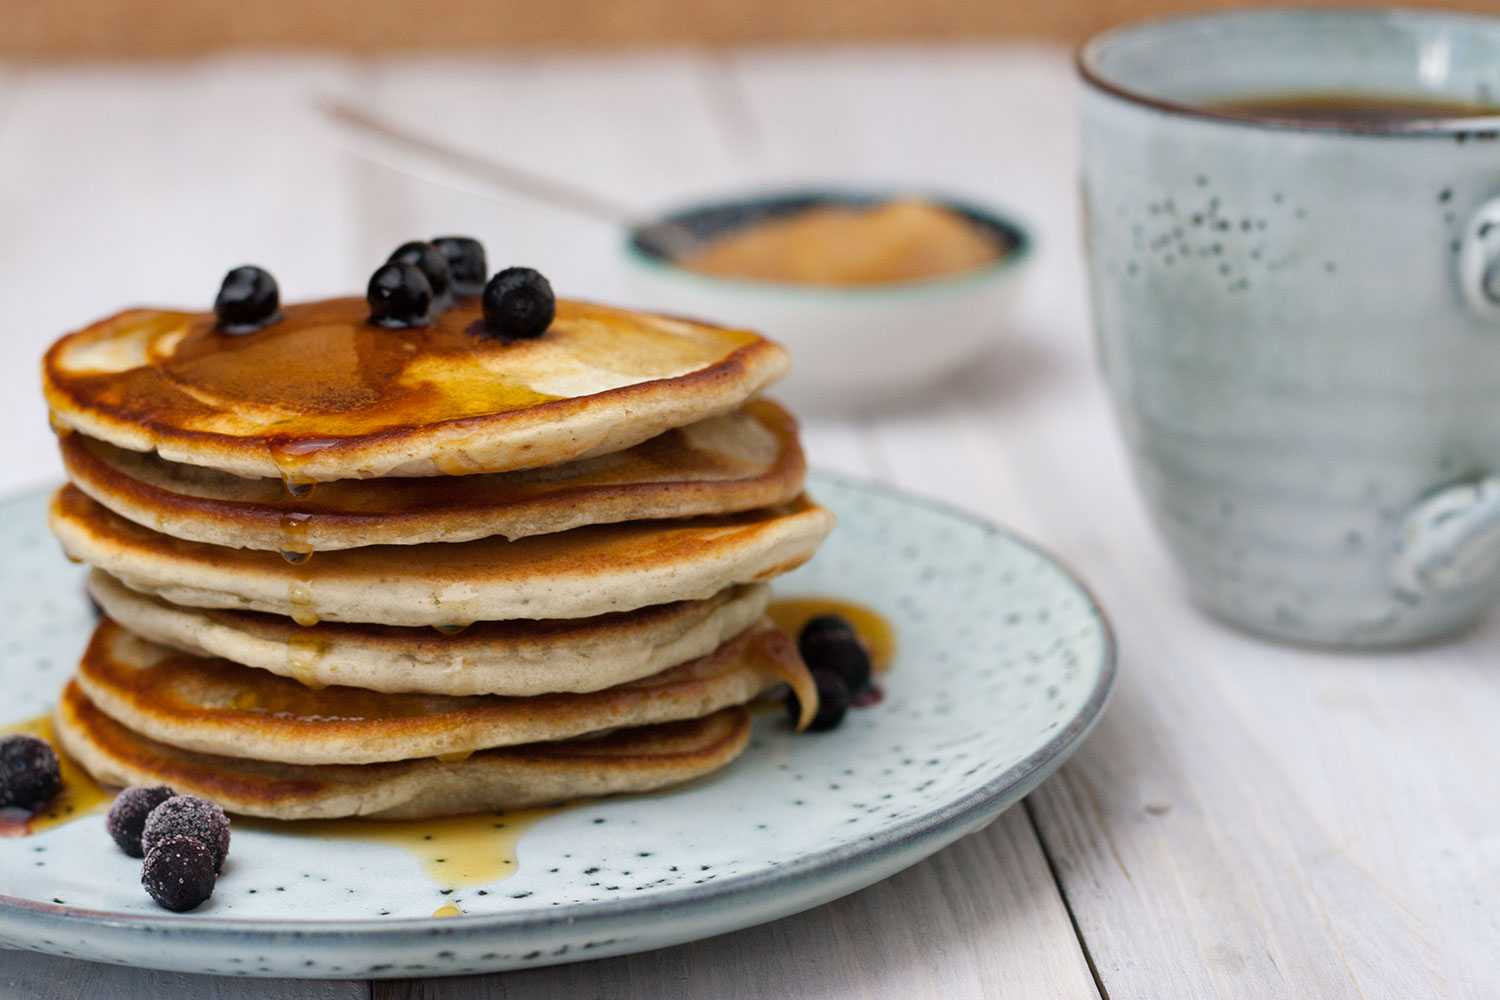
(1300, 325)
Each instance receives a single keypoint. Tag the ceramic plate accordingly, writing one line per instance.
(1003, 665)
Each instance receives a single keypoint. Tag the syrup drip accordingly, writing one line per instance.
(59, 428)
(291, 456)
(304, 651)
(456, 463)
(300, 596)
(872, 628)
(455, 852)
(295, 547)
(80, 795)
(777, 654)
(453, 629)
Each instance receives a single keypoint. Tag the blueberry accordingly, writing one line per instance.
(247, 300)
(466, 263)
(518, 303)
(189, 816)
(179, 873)
(29, 772)
(826, 625)
(828, 642)
(128, 815)
(400, 296)
(833, 702)
(433, 264)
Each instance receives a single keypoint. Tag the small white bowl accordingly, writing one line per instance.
(850, 345)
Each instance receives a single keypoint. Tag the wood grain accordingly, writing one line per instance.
(43, 29)
(27, 976)
(980, 919)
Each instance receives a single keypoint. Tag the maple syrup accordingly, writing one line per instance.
(295, 526)
(300, 596)
(304, 651)
(80, 795)
(455, 852)
(323, 375)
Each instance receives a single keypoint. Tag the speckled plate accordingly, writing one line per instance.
(1003, 665)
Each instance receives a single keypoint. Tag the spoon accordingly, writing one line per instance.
(668, 239)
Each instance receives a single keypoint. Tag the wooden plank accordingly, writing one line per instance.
(28, 976)
(980, 919)
(1252, 820)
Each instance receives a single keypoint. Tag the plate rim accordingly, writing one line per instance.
(963, 814)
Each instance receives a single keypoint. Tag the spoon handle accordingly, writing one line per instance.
(505, 176)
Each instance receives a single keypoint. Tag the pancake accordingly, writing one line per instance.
(217, 707)
(324, 395)
(510, 658)
(629, 760)
(722, 465)
(572, 574)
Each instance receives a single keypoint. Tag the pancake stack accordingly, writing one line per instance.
(424, 568)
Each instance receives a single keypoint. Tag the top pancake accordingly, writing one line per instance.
(323, 395)
(730, 463)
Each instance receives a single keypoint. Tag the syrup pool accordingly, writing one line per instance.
(455, 852)
(81, 795)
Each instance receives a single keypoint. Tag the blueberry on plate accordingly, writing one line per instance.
(833, 702)
(829, 642)
(823, 626)
(191, 817)
(30, 774)
(433, 264)
(127, 816)
(247, 301)
(400, 296)
(518, 304)
(466, 264)
(179, 873)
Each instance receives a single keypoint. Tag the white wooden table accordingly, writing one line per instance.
(1248, 821)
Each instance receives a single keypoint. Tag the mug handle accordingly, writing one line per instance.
(1450, 540)
(1479, 261)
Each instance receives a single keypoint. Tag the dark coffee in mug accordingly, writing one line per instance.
(1332, 107)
